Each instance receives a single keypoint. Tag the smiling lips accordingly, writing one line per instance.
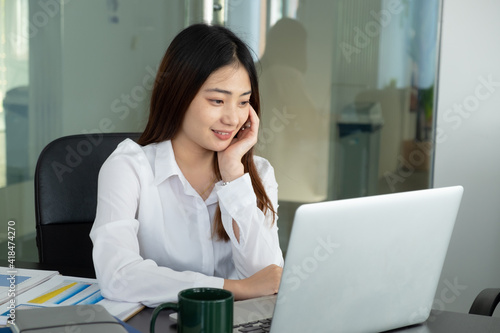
(223, 135)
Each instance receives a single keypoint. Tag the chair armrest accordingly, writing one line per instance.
(485, 302)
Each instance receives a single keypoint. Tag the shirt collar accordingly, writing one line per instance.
(166, 166)
(165, 163)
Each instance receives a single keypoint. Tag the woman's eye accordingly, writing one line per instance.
(217, 101)
(244, 103)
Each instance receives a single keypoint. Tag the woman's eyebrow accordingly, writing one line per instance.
(227, 92)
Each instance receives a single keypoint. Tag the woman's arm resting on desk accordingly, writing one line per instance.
(264, 282)
(124, 275)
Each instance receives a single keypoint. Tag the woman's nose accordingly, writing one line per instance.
(230, 115)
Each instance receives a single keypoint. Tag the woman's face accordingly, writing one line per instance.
(217, 112)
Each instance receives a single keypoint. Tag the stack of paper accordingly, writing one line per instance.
(15, 281)
(58, 290)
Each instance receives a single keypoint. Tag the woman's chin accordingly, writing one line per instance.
(219, 147)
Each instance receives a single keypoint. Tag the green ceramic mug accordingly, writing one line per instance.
(207, 310)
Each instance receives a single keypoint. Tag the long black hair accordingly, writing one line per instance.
(194, 54)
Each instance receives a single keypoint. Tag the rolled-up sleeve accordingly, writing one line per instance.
(258, 244)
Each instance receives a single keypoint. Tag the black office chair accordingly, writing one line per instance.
(66, 197)
(486, 302)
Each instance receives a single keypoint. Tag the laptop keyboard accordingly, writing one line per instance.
(258, 326)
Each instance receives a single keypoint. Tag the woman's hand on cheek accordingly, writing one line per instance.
(230, 159)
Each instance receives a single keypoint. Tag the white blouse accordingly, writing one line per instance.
(152, 234)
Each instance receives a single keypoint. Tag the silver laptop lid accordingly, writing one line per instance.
(367, 264)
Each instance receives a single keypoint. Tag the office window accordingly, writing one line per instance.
(346, 86)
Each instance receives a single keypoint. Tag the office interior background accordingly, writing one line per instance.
(359, 97)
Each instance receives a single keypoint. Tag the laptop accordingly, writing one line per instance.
(367, 264)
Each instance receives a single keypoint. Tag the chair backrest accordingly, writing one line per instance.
(66, 196)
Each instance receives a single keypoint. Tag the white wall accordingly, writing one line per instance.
(467, 147)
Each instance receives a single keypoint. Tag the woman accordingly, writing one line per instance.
(189, 205)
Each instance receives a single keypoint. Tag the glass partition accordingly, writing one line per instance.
(347, 97)
(347, 89)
